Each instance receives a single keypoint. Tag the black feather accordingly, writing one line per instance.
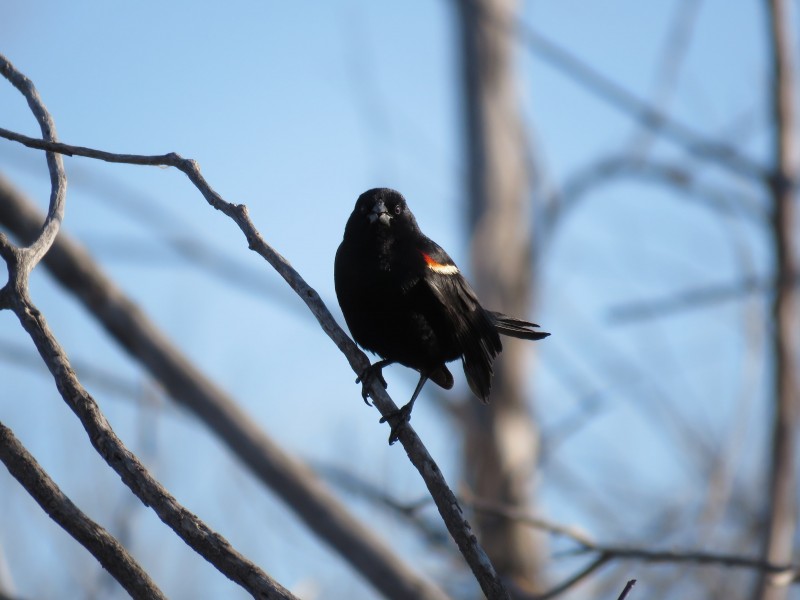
(516, 327)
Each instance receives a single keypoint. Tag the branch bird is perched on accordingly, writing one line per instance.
(404, 299)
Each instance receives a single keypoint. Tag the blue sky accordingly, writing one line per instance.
(294, 109)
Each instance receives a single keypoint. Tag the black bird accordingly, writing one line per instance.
(404, 299)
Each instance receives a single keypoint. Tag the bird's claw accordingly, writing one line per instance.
(365, 379)
(402, 416)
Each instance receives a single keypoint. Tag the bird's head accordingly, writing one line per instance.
(382, 212)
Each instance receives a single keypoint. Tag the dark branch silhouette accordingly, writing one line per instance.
(627, 589)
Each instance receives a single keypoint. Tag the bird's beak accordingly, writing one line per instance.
(380, 213)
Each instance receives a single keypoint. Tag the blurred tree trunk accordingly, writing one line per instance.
(501, 439)
(782, 512)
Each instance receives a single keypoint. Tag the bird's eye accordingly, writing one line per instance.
(398, 209)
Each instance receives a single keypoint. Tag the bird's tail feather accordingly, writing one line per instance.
(517, 328)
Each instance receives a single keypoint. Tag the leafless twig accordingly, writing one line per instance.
(627, 589)
(780, 572)
(445, 499)
(575, 579)
(55, 165)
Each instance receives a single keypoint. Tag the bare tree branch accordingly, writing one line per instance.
(445, 499)
(103, 546)
(189, 387)
(627, 589)
(574, 579)
(55, 164)
(778, 574)
(782, 510)
(192, 530)
(783, 573)
(20, 262)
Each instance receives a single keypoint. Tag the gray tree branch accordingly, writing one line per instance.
(14, 296)
(303, 493)
(444, 498)
(55, 165)
(778, 573)
(102, 545)
(209, 544)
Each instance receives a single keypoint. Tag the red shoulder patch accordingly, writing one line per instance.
(444, 269)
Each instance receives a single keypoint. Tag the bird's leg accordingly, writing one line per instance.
(404, 414)
(367, 374)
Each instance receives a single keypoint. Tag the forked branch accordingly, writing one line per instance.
(444, 498)
(14, 296)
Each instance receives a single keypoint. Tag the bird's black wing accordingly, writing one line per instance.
(470, 325)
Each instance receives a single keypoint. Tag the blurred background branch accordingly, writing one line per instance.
(781, 522)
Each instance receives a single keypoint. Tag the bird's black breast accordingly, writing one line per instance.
(388, 307)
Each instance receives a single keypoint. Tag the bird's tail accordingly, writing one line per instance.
(517, 328)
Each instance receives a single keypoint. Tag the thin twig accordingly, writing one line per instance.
(522, 516)
(55, 165)
(103, 546)
(627, 589)
(575, 579)
(776, 572)
(782, 572)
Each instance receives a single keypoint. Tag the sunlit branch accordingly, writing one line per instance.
(444, 498)
(103, 546)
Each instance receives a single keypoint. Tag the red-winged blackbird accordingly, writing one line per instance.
(404, 299)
